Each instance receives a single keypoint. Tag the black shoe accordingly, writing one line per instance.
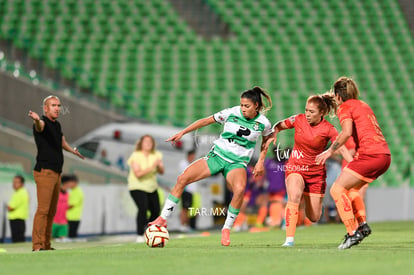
(351, 240)
(365, 230)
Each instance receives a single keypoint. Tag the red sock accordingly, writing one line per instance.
(291, 217)
(358, 205)
(275, 212)
(261, 215)
(344, 207)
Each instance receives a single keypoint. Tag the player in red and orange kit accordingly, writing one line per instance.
(303, 175)
(357, 196)
(371, 160)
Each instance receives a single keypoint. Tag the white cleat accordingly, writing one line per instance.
(288, 244)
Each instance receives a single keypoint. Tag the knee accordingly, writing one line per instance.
(337, 190)
(352, 194)
(238, 189)
(42, 211)
(314, 217)
(295, 197)
(182, 180)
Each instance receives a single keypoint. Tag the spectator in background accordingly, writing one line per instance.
(75, 203)
(259, 198)
(18, 209)
(50, 141)
(60, 222)
(104, 159)
(253, 191)
(333, 169)
(275, 175)
(188, 195)
(272, 200)
(120, 163)
(145, 163)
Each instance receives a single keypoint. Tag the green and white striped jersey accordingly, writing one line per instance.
(239, 136)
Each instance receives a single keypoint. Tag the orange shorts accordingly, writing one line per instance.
(315, 181)
(278, 196)
(368, 167)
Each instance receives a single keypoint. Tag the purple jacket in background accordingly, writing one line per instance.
(253, 187)
(275, 175)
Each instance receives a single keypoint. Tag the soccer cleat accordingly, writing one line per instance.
(288, 244)
(365, 230)
(159, 221)
(350, 241)
(225, 237)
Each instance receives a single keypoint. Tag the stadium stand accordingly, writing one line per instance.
(142, 57)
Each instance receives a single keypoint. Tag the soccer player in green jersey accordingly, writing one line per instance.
(242, 127)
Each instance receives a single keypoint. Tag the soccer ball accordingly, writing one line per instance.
(156, 236)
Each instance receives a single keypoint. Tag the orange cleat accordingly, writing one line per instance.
(159, 221)
(225, 237)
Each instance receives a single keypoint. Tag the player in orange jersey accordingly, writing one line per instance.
(371, 160)
(303, 175)
(357, 196)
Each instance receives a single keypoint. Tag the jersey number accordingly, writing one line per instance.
(243, 131)
(375, 124)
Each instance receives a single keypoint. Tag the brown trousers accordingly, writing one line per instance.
(47, 187)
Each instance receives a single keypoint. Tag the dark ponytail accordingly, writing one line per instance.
(255, 95)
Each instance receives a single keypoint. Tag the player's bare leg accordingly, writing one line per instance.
(313, 207)
(196, 171)
(339, 191)
(237, 180)
(294, 187)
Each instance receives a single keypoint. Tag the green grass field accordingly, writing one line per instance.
(389, 250)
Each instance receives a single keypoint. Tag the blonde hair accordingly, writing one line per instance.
(346, 88)
(45, 100)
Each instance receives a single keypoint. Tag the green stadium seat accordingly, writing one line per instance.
(138, 48)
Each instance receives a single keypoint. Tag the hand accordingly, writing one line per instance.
(160, 165)
(33, 115)
(322, 157)
(175, 137)
(76, 152)
(258, 170)
(157, 163)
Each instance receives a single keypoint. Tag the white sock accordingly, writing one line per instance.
(232, 214)
(290, 240)
(170, 204)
